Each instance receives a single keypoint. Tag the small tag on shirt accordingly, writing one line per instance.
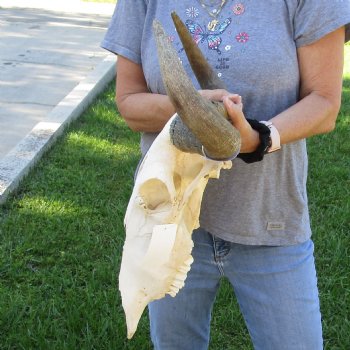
(275, 226)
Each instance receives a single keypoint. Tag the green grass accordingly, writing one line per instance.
(329, 198)
(61, 237)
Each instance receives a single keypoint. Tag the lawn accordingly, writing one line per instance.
(61, 237)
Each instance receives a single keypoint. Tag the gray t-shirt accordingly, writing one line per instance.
(253, 47)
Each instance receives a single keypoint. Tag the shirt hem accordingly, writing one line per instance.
(304, 41)
(288, 238)
(121, 50)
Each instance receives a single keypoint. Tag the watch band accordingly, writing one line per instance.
(275, 140)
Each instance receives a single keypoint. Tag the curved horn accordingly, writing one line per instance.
(206, 76)
(218, 137)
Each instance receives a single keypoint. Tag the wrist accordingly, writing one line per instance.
(265, 145)
(251, 142)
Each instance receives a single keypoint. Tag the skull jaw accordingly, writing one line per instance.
(162, 213)
(163, 270)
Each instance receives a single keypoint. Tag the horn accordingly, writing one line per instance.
(218, 137)
(206, 76)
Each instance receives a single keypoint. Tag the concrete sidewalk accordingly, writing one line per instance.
(51, 68)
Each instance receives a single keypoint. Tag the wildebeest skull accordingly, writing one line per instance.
(165, 203)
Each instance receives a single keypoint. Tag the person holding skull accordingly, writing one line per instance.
(284, 61)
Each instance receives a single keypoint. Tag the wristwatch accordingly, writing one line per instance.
(275, 140)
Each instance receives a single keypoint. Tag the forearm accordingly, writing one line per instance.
(145, 111)
(141, 109)
(314, 114)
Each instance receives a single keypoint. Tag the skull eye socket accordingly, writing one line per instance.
(155, 194)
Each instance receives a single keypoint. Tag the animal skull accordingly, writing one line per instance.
(165, 203)
(161, 215)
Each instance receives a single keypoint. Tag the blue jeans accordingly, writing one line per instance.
(276, 288)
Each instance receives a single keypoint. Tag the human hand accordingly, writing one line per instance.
(234, 107)
(249, 137)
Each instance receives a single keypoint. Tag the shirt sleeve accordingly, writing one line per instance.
(124, 33)
(317, 18)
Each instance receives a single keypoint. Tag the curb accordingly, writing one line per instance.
(18, 162)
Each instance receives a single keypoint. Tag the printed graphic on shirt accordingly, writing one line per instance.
(223, 63)
(238, 9)
(242, 37)
(192, 12)
(223, 35)
(213, 38)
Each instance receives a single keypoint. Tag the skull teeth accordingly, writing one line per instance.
(180, 277)
(173, 291)
(184, 269)
(179, 281)
(189, 261)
